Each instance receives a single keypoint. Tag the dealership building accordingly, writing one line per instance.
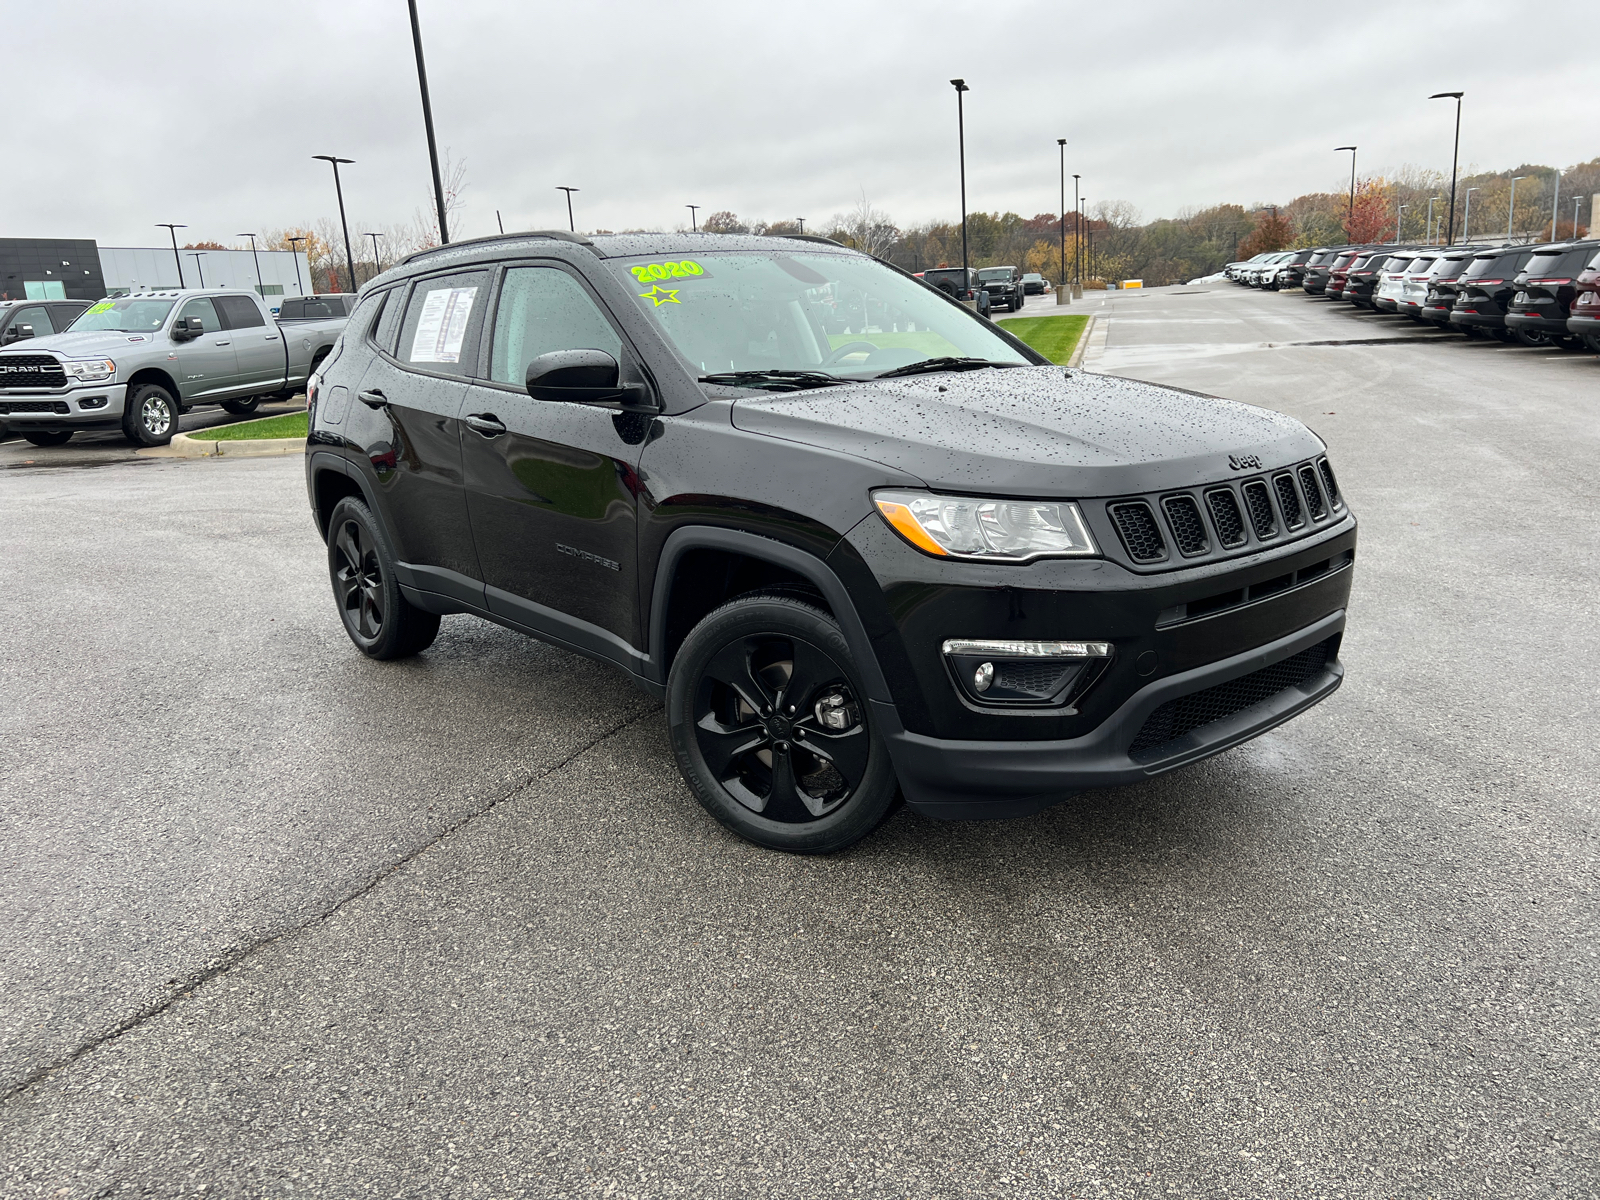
(79, 269)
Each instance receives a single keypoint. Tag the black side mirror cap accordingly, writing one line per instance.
(186, 329)
(585, 377)
(17, 332)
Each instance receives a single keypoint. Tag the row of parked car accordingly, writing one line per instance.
(1540, 295)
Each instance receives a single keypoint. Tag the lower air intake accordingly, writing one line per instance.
(1178, 718)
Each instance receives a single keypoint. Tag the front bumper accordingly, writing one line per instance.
(963, 780)
(90, 406)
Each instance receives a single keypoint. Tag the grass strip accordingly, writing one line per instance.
(1054, 337)
(290, 425)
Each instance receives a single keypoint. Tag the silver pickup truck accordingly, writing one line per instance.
(137, 362)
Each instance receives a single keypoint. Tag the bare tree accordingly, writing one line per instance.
(865, 228)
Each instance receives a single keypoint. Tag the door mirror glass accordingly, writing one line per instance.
(573, 375)
(17, 332)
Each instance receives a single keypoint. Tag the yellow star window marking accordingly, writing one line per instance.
(661, 296)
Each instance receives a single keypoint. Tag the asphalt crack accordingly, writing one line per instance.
(231, 959)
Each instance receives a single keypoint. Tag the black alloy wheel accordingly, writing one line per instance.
(771, 728)
(58, 437)
(379, 620)
(150, 415)
(1533, 337)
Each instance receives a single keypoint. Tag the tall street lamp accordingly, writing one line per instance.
(571, 224)
(1455, 157)
(1399, 221)
(173, 230)
(1576, 201)
(961, 141)
(349, 258)
(295, 254)
(801, 221)
(1429, 226)
(1555, 208)
(1350, 219)
(1511, 212)
(1077, 237)
(197, 256)
(693, 208)
(427, 120)
(377, 266)
(1466, 220)
(260, 288)
(1062, 142)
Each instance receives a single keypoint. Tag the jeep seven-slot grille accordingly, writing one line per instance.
(1288, 501)
(1177, 718)
(1226, 517)
(31, 371)
(1183, 514)
(1140, 533)
(1261, 517)
(1308, 485)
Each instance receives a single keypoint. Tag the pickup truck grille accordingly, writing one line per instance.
(31, 371)
(7, 407)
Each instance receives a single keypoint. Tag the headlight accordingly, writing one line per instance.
(996, 530)
(89, 370)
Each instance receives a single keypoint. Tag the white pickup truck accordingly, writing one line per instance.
(137, 362)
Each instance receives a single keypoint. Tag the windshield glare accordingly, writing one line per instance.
(836, 313)
(126, 316)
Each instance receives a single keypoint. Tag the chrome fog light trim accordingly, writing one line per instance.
(1008, 649)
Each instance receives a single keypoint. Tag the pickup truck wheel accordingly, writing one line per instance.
(241, 407)
(150, 417)
(379, 620)
(771, 729)
(59, 438)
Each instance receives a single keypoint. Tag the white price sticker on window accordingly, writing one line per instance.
(443, 325)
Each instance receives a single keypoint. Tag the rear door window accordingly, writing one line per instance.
(443, 317)
(240, 312)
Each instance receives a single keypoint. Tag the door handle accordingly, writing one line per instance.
(227, 343)
(487, 424)
(373, 399)
(272, 337)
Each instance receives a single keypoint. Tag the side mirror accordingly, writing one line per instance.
(186, 329)
(17, 332)
(585, 377)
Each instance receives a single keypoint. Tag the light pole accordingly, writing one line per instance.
(1555, 208)
(1466, 219)
(571, 224)
(1399, 220)
(693, 208)
(295, 254)
(1511, 212)
(427, 120)
(1350, 219)
(349, 258)
(1455, 157)
(197, 256)
(1431, 199)
(1062, 142)
(173, 230)
(961, 142)
(377, 267)
(1077, 238)
(1576, 201)
(801, 221)
(260, 289)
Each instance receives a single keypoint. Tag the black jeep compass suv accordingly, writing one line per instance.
(903, 557)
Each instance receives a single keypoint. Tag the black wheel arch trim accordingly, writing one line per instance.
(802, 563)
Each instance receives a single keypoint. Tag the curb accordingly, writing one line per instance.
(185, 446)
(1076, 360)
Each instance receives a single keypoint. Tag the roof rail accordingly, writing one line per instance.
(559, 235)
(810, 237)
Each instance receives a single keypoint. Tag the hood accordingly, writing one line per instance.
(1034, 431)
(91, 343)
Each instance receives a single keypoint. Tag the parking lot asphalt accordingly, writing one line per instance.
(281, 921)
(100, 447)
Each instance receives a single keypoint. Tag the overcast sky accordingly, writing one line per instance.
(122, 115)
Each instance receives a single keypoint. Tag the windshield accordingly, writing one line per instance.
(988, 273)
(126, 316)
(841, 314)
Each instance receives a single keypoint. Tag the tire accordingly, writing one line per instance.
(58, 438)
(1592, 341)
(729, 703)
(242, 407)
(150, 416)
(1533, 337)
(380, 621)
(1566, 341)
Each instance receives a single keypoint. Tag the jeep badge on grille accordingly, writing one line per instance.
(1244, 462)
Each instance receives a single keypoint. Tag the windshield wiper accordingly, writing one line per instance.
(774, 379)
(929, 365)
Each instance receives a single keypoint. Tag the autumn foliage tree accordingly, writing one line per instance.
(1368, 219)
(1272, 232)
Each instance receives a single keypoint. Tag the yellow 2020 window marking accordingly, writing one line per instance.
(661, 296)
(103, 306)
(685, 269)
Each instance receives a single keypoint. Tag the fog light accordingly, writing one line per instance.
(91, 402)
(983, 677)
(1008, 672)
